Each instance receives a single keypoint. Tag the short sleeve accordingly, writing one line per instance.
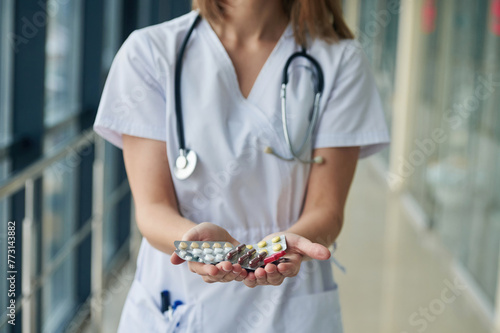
(133, 100)
(353, 115)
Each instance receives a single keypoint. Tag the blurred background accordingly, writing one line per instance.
(421, 240)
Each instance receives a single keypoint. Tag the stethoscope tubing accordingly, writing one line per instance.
(187, 159)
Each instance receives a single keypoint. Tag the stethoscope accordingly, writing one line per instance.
(185, 163)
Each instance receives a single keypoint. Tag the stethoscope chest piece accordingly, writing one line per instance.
(185, 164)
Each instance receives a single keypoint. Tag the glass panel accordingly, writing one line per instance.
(62, 53)
(59, 219)
(378, 34)
(6, 50)
(3, 251)
(112, 31)
(457, 181)
(110, 221)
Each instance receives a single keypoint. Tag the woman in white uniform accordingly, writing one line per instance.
(231, 81)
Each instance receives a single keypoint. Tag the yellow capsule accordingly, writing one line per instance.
(276, 239)
(262, 244)
(277, 247)
(195, 245)
(228, 245)
(249, 247)
(205, 245)
(183, 245)
(217, 246)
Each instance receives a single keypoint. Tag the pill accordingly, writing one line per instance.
(205, 245)
(274, 257)
(276, 239)
(262, 244)
(251, 253)
(200, 259)
(240, 247)
(196, 252)
(228, 245)
(183, 246)
(230, 255)
(269, 259)
(219, 257)
(218, 250)
(208, 251)
(209, 258)
(217, 246)
(249, 247)
(254, 262)
(188, 258)
(227, 249)
(277, 247)
(182, 254)
(242, 259)
(264, 251)
(262, 255)
(195, 245)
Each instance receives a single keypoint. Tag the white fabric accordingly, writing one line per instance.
(236, 185)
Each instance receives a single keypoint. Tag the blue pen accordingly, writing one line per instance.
(165, 301)
(176, 304)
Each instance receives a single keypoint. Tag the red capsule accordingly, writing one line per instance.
(254, 263)
(274, 257)
(251, 252)
(240, 247)
(242, 259)
(230, 255)
(262, 255)
(269, 259)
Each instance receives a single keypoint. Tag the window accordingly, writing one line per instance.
(6, 54)
(59, 201)
(112, 31)
(62, 61)
(59, 217)
(458, 182)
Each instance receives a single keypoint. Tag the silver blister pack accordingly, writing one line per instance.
(248, 256)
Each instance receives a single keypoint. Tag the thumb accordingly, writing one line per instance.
(313, 250)
(175, 259)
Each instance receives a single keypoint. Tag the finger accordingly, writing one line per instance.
(203, 269)
(274, 277)
(225, 272)
(288, 269)
(313, 250)
(242, 274)
(175, 259)
(261, 276)
(250, 281)
(234, 272)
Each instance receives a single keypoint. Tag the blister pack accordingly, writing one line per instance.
(249, 257)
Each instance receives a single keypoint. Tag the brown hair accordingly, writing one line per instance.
(318, 18)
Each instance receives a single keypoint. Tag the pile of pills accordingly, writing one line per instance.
(248, 256)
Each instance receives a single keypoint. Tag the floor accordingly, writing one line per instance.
(398, 279)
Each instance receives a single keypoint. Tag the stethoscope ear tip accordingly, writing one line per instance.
(268, 150)
(319, 160)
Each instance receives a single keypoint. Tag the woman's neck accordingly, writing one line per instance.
(247, 20)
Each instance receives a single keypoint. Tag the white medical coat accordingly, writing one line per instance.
(236, 185)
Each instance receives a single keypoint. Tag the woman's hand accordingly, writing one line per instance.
(298, 249)
(223, 271)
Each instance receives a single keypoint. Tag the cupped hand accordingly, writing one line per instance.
(298, 249)
(223, 271)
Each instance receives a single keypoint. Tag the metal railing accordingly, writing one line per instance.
(31, 282)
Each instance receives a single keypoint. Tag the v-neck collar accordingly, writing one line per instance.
(259, 83)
